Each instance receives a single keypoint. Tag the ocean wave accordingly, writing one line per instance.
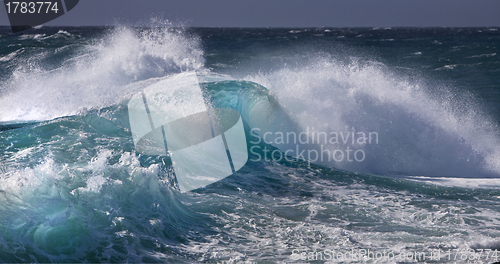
(420, 133)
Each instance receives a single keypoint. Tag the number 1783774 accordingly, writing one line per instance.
(31, 7)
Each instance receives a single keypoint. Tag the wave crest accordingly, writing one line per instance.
(96, 74)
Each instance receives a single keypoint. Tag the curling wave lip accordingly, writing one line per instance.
(205, 144)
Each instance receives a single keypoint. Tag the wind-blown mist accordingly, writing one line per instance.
(418, 133)
(95, 72)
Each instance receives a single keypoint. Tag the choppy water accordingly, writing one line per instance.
(74, 189)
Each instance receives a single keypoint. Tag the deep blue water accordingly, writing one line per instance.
(73, 188)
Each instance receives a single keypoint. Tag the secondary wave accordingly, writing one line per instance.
(95, 74)
(421, 130)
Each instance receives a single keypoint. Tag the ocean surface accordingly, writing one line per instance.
(412, 115)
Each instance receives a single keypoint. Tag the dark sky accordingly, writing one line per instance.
(283, 13)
